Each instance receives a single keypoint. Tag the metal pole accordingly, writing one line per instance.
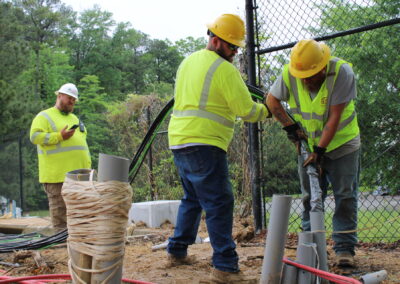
(153, 194)
(254, 146)
(21, 175)
(335, 35)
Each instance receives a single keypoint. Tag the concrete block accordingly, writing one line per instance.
(154, 213)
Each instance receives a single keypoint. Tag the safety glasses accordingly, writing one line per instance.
(230, 45)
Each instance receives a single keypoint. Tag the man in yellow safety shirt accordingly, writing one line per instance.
(209, 94)
(61, 144)
(320, 90)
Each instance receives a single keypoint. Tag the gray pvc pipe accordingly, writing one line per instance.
(80, 175)
(305, 237)
(289, 274)
(375, 277)
(113, 168)
(306, 254)
(318, 229)
(276, 239)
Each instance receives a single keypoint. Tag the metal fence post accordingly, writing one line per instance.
(253, 130)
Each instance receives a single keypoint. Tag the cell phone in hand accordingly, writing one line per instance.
(74, 126)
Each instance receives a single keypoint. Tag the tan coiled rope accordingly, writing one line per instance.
(97, 215)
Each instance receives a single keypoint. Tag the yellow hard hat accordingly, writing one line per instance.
(230, 28)
(308, 57)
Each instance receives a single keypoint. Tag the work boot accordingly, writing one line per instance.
(224, 277)
(344, 259)
(173, 260)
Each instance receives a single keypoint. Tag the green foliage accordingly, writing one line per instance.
(39, 213)
(280, 170)
(13, 52)
(165, 60)
(189, 45)
(91, 109)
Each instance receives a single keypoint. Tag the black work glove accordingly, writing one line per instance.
(315, 157)
(295, 134)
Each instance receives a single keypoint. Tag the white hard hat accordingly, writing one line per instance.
(68, 89)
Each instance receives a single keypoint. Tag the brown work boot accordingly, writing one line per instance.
(224, 277)
(173, 260)
(344, 259)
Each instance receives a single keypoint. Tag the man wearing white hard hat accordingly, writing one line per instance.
(61, 144)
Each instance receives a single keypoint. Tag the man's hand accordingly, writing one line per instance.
(315, 157)
(295, 134)
(66, 134)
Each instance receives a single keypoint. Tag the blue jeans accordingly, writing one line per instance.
(205, 179)
(343, 174)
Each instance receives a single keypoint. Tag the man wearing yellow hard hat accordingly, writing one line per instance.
(320, 90)
(209, 94)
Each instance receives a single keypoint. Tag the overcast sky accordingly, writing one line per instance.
(165, 19)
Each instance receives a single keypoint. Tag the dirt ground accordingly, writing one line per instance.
(142, 263)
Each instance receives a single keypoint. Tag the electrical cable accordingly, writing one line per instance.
(59, 237)
(148, 140)
(5, 237)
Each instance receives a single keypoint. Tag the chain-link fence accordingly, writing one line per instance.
(18, 175)
(366, 34)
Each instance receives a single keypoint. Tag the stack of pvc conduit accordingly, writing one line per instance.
(97, 216)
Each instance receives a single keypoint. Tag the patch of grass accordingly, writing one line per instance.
(38, 213)
(378, 226)
(373, 226)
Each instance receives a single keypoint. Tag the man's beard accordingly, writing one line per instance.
(66, 108)
(220, 52)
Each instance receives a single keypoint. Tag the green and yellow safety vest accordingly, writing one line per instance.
(58, 156)
(209, 95)
(313, 114)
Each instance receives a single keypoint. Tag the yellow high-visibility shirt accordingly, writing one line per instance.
(58, 156)
(209, 95)
(312, 114)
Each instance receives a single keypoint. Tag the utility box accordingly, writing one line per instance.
(154, 213)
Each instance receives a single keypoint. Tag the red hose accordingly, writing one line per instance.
(22, 282)
(323, 274)
(136, 281)
(36, 278)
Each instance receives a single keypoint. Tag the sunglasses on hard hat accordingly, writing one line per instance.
(230, 45)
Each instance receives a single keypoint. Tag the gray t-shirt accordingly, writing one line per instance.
(344, 91)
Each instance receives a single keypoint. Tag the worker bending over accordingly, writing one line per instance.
(320, 90)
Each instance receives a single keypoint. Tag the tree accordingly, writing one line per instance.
(90, 47)
(91, 109)
(189, 45)
(46, 20)
(165, 60)
(14, 50)
(130, 47)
